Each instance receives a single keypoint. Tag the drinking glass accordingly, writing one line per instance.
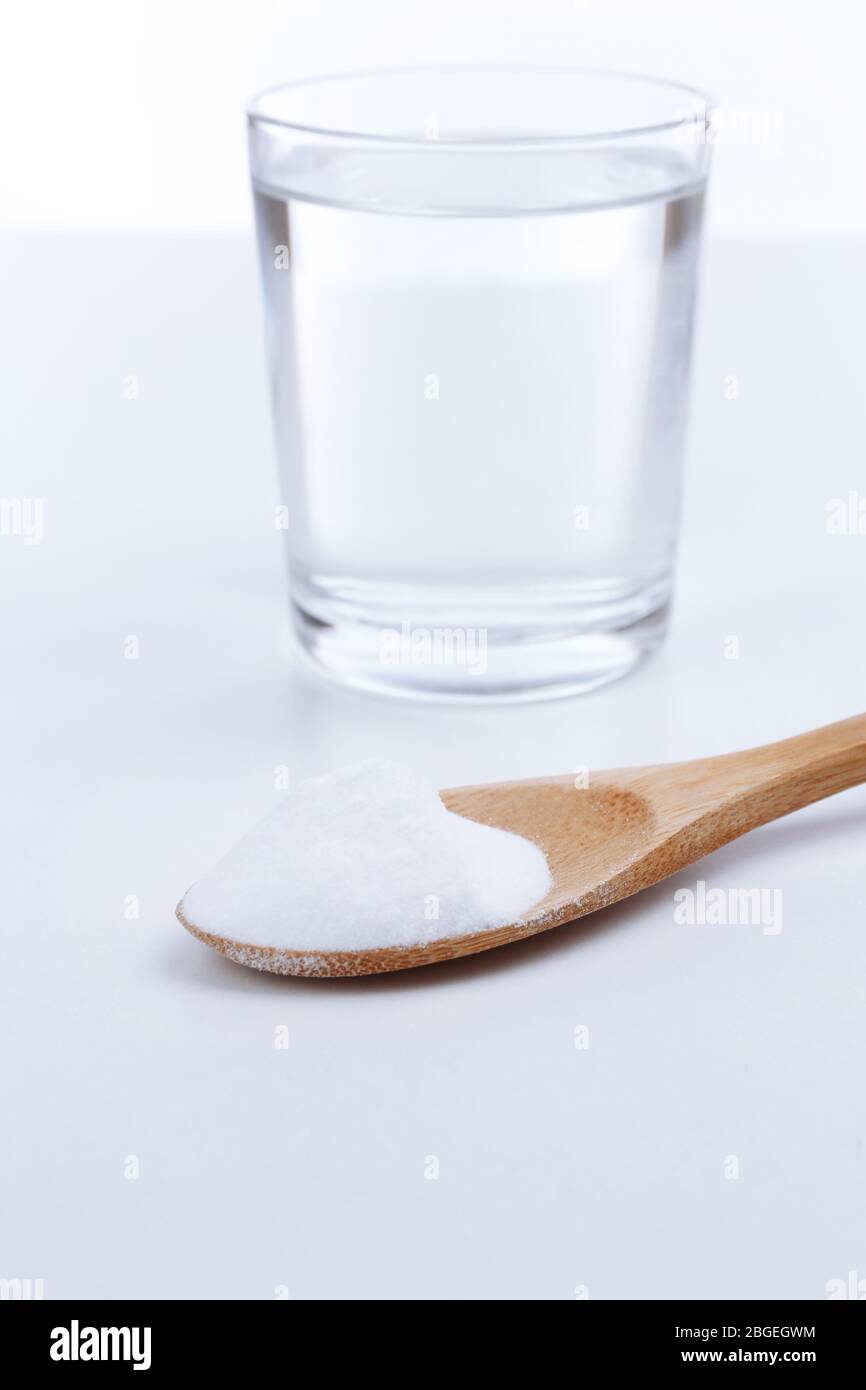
(479, 288)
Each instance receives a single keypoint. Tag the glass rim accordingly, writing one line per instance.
(704, 113)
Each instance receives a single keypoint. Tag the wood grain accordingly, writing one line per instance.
(624, 831)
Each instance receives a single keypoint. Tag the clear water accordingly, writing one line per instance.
(480, 418)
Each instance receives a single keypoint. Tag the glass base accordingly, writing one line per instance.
(409, 643)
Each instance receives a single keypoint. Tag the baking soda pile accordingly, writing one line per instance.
(364, 858)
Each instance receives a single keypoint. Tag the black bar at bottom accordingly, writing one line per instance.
(153, 1338)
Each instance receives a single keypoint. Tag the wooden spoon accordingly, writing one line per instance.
(623, 831)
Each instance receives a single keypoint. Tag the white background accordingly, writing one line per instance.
(560, 1168)
(130, 116)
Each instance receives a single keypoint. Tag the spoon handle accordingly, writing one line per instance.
(739, 791)
(805, 768)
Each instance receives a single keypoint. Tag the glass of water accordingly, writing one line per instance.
(479, 287)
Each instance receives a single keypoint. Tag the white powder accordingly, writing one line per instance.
(364, 858)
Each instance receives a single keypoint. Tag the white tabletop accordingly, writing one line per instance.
(712, 1050)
